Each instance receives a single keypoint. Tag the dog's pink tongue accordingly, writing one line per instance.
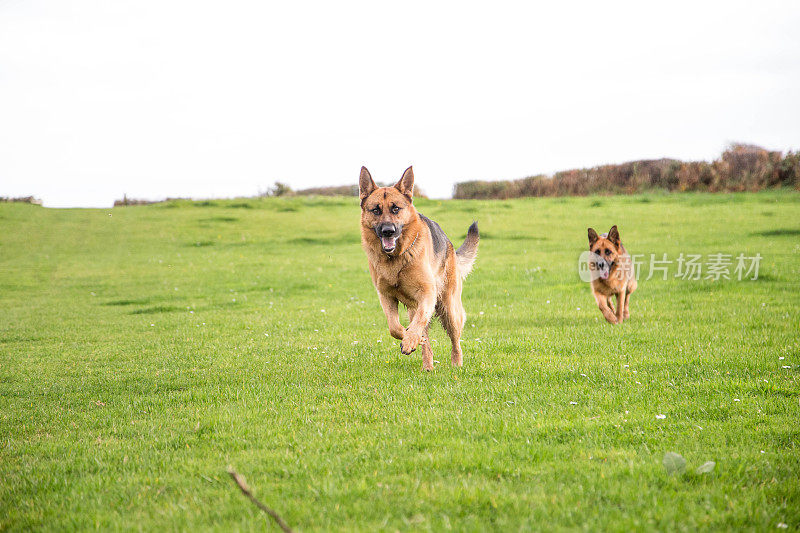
(604, 275)
(388, 242)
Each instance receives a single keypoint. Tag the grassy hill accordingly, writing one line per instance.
(143, 350)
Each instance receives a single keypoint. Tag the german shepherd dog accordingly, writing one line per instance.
(612, 274)
(412, 261)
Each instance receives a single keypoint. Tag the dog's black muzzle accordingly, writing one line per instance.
(388, 234)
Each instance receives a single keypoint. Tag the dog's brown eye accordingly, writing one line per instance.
(377, 210)
(395, 209)
(608, 252)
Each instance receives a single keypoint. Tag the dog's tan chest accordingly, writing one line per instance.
(400, 285)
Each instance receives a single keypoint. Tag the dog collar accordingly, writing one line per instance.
(412, 245)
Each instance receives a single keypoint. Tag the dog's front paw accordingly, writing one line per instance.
(410, 342)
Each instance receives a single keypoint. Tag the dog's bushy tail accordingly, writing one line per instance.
(467, 252)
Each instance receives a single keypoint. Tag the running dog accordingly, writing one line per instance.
(612, 274)
(412, 261)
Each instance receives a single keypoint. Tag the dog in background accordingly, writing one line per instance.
(612, 274)
(412, 261)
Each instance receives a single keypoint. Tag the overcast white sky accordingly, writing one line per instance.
(186, 98)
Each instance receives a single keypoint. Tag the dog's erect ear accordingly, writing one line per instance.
(613, 235)
(593, 236)
(365, 184)
(406, 183)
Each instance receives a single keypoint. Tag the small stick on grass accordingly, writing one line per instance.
(246, 491)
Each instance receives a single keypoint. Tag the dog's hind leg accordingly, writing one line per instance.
(453, 318)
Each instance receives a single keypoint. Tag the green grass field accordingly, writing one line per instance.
(143, 350)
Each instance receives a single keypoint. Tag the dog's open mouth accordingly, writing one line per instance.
(604, 274)
(389, 244)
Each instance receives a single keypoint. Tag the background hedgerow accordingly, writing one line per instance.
(741, 167)
(20, 200)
